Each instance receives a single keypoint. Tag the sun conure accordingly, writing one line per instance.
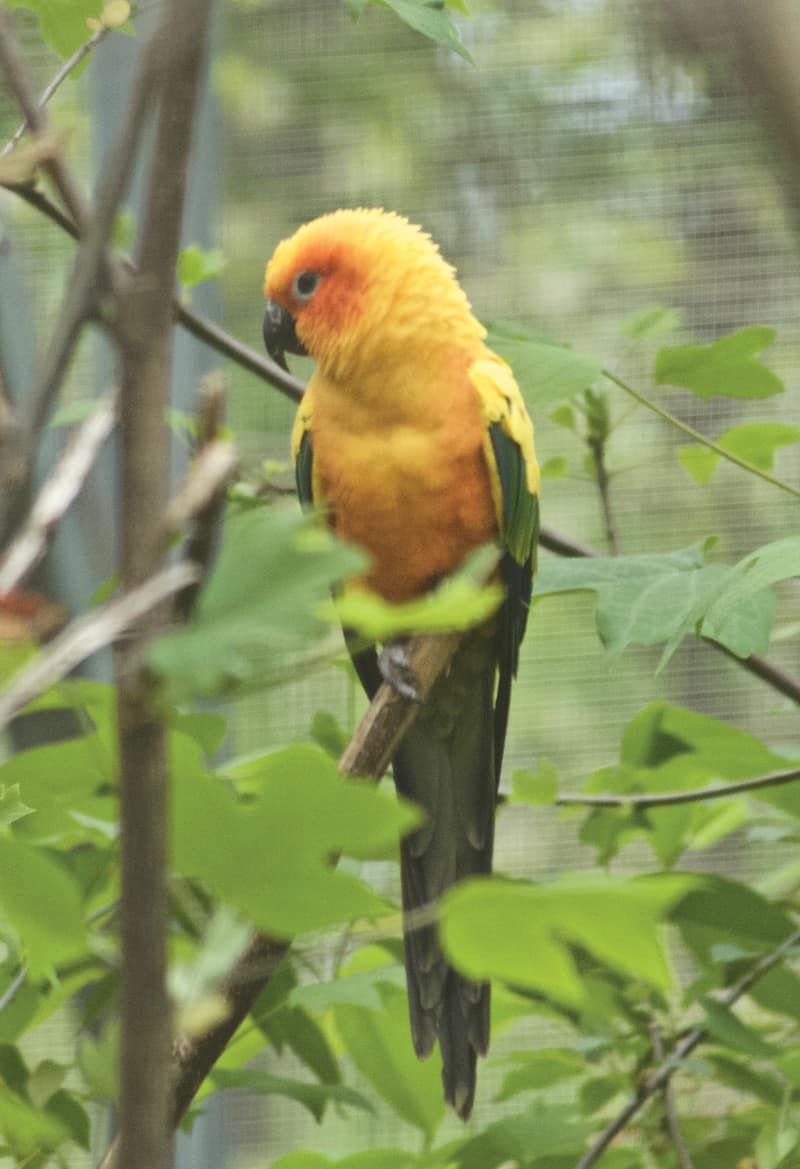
(415, 437)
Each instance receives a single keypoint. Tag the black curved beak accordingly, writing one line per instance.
(279, 334)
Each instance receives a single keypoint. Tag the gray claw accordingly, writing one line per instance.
(398, 671)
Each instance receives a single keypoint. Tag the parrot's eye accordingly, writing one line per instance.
(305, 284)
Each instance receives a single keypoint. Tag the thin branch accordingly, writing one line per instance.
(57, 494)
(63, 73)
(368, 755)
(669, 799)
(761, 667)
(597, 450)
(697, 437)
(21, 85)
(89, 634)
(212, 469)
(200, 326)
(174, 59)
(203, 498)
(671, 1112)
(657, 1079)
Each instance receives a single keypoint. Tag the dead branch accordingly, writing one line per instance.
(57, 495)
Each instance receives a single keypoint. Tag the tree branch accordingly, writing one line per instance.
(89, 634)
(368, 755)
(657, 1079)
(57, 494)
(673, 1123)
(669, 799)
(174, 60)
(63, 73)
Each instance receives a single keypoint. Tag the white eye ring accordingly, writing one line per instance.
(305, 284)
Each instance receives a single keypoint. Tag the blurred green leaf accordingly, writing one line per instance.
(63, 26)
(43, 905)
(536, 1137)
(379, 1043)
(461, 602)
(304, 814)
(12, 807)
(520, 932)
(535, 787)
(540, 1069)
(555, 468)
(29, 1131)
(260, 607)
(727, 1029)
(728, 366)
(653, 321)
(196, 264)
(546, 373)
(314, 1097)
(429, 18)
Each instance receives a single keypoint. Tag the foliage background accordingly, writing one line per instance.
(587, 167)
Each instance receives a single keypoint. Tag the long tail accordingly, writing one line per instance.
(446, 764)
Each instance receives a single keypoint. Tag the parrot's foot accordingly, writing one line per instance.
(398, 672)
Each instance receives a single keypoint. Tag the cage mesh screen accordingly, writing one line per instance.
(578, 173)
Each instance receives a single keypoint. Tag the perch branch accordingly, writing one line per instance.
(670, 1110)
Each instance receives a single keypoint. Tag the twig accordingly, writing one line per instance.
(10, 992)
(212, 469)
(669, 799)
(21, 85)
(72, 63)
(761, 667)
(673, 1123)
(597, 451)
(200, 326)
(174, 60)
(656, 1081)
(57, 494)
(697, 437)
(203, 497)
(86, 635)
(368, 755)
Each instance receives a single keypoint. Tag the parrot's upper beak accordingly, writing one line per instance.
(279, 334)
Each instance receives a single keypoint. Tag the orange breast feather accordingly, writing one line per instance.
(416, 494)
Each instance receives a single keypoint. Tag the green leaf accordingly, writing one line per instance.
(540, 1069)
(431, 19)
(42, 903)
(328, 733)
(461, 602)
(555, 468)
(519, 932)
(12, 807)
(66, 1109)
(314, 1097)
(721, 1022)
(727, 366)
(361, 989)
(660, 598)
(260, 607)
(63, 26)
(29, 1131)
(379, 1043)
(546, 373)
(720, 912)
(196, 264)
(754, 441)
(543, 1136)
(304, 814)
(653, 321)
(535, 787)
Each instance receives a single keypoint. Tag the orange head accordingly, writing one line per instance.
(360, 286)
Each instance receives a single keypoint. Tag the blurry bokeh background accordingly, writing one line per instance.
(594, 161)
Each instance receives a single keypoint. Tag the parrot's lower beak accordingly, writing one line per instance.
(279, 334)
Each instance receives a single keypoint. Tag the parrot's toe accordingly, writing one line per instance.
(397, 670)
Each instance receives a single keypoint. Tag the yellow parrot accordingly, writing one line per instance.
(415, 438)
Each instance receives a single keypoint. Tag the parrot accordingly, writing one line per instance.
(414, 438)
